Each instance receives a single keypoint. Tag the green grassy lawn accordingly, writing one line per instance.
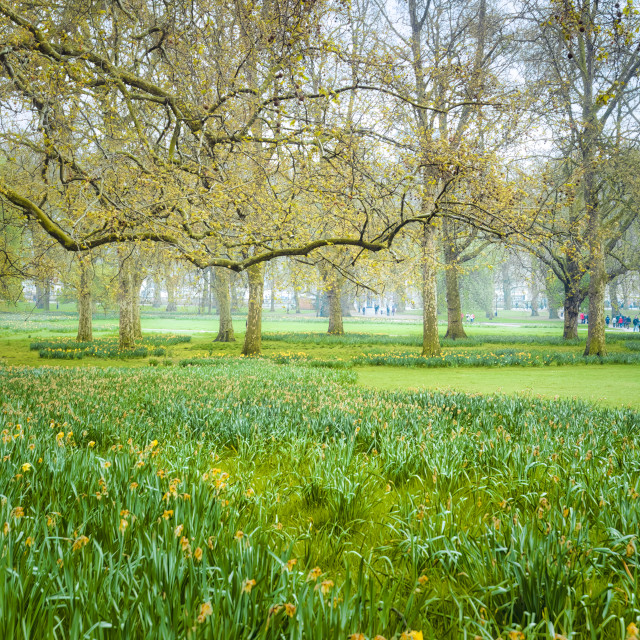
(148, 497)
(610, 385)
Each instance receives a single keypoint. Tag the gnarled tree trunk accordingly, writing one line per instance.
(253, 336)
(572, 302)
(225, 328)
(85, 312)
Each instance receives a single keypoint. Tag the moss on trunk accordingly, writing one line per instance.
(430, 339)
(225, 327)
(85, 328)
(253, 336)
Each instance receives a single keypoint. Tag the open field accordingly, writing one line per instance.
(320, 498)
(380, 340)
(610, 385)
(248, 499)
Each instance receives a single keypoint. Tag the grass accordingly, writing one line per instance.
(365, 339)
(255, 500)
(610, 385)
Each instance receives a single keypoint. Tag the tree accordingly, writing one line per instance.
(589, 54)
(448, 58)
(161, 137)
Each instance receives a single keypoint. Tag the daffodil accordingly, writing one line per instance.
(314, 574)
(79, 543)
(205, 611)
(248, 584)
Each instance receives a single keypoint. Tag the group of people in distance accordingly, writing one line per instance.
(391, 310)
(623, 322)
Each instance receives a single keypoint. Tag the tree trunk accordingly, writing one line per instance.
(225, 328)
(171, 294)
(506, 287)
(596, 341)
(204, 293)
(322, 307)
(535, 292)
(334, 296)
(43, 295)
(85, 312)
(253, 336)
(233, 278)
(430, 339)
(212, 276)
(615, 301)
(572, 302)
(125, 329)
(136, 282)
(346, 302)
(157, 293)
(296, 300)
(272, 300)
(554, 295)
(455, 329)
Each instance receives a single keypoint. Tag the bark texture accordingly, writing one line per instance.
(572, 302)
(334, 294)
(225, 327)
(136, 282)
(43, 295)
(430, 339)
(126, 332)
(596, 342)
(85, 313)
(253, 336)
(455, 329)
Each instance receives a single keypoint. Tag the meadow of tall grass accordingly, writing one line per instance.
(249, 499)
